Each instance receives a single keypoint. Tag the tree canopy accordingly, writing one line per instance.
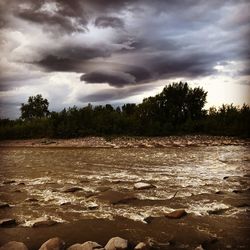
(178, 109)
(37, 107)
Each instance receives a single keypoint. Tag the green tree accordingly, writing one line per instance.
(37, 107)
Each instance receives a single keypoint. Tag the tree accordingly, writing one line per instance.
(37, 107)
(174, 105)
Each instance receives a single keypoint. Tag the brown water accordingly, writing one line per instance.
(195, 173)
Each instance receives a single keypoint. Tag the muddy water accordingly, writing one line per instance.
(208, 182)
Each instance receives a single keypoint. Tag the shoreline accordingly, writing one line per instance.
(162, 231)
(127, 142)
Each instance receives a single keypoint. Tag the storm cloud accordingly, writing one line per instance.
(125, 44)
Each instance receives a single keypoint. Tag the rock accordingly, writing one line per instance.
(31, 200)
(242, 205)
(217, 211)
(53, 244)
(44, 223)
(4, 205)
(116, 197)
(226, 177)
(17, 191)
(65, 203)
(71, 189)
(148, 219)
(9, 182)
(7, 222)
(199, 248)
(141, 246)
(103, 189)
(116, 243)
(14, 245)
(92, 206)
(89, 245)
(236, 191)
(219, 192)
(176, 214)
(143, 185)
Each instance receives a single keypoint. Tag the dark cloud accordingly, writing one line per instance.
(69, 17)
(125, 43)
(107, 21)
(111, 95)
(113, 78)
(54, 63)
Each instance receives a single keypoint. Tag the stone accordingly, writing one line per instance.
(88, 245)
(177, 214)
(4, 205)
(92, 206)
(141, 246)
(236, 191)
(14, 245)
(148, 219)
(53, 244)
(143, 185)
(66, 203)
(199, 248)
(116, 243)
(72, 189)
(103, 189)
(9, 182)
(116, 197)
(31, 200)
(7, 222)
(44, 223)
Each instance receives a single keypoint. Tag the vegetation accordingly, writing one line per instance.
(178, 109)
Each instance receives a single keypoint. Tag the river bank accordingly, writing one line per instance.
(128, 142)
(190, 232)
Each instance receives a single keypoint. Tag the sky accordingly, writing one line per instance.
(76, 52)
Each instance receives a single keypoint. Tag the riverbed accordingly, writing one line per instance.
(94, 189)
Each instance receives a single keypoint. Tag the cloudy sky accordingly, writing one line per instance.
(114, 51)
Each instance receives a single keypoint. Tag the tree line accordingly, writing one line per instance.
(178, 109)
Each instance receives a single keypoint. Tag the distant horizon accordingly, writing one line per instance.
(79, 52)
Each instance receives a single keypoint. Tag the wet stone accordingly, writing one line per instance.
(103, 189)
(7, 222)
(148, 219)
(143, 185)
(71, 189)
(141, 246)
(92, 206)
(236, 191)
(44, 223)
(14, 245)
(9, 182)
(53, 244)
(65, 203)
(31, 200)
(4, 205)
(89, 245)
(199, 248)
(177, 214)
(116, 197)
(116, 243)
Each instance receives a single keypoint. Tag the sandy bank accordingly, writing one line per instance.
(128, 142)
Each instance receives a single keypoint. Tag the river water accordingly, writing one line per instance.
(205, 181)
